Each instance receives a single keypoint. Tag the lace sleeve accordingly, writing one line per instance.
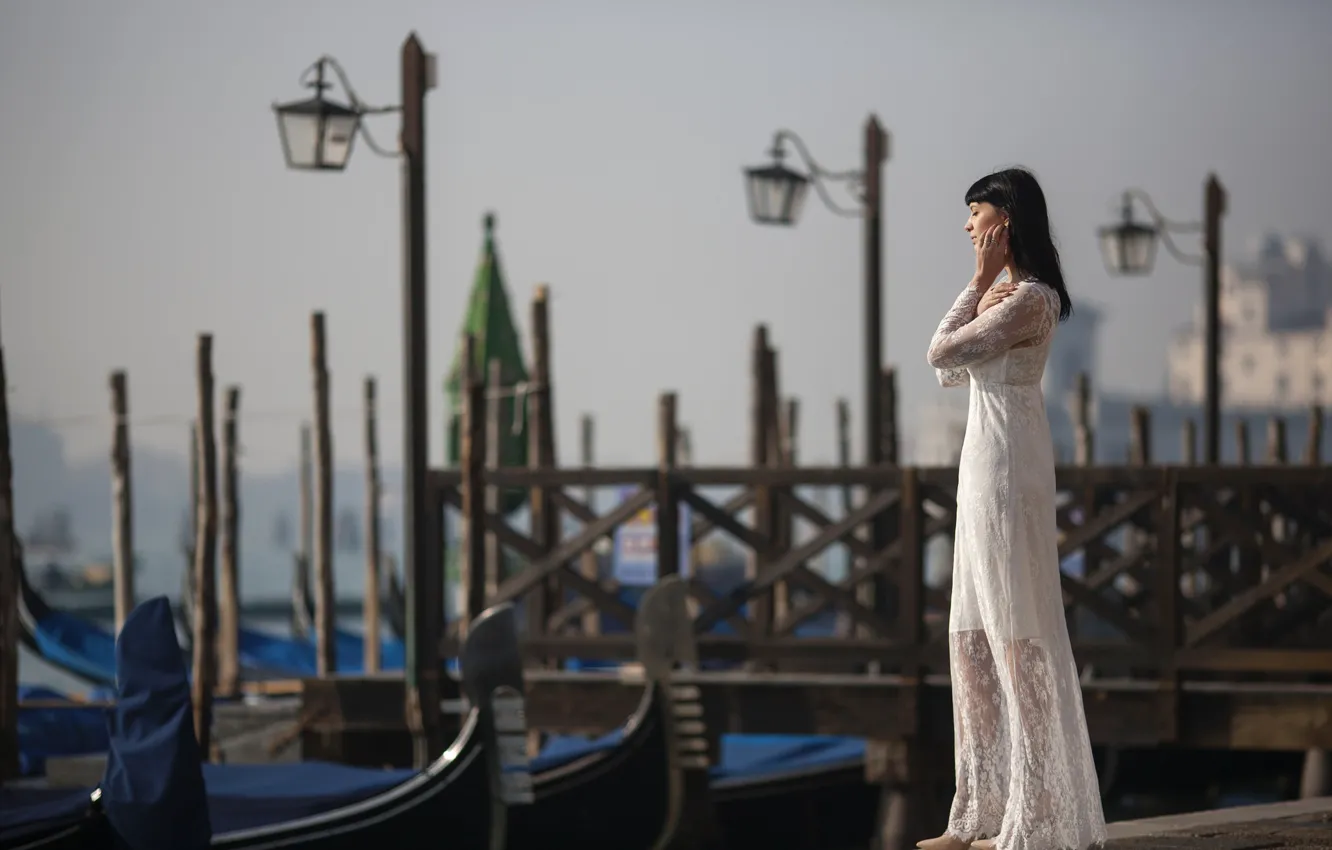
(960, 342)
(962, 311)
(953, 377)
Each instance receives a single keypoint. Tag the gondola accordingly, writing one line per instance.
(263, 655)
(787, 792)
(148, 660)
(627, 795)
(812, 803)
(87, 651)
(153, 792)
(457, 800)
(80, 648)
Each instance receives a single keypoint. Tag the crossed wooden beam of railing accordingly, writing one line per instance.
(1298, 566)
(871, 563)
(793, 566)
(1093, 529)
(1209, 516)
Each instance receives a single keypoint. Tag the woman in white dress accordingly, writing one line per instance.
(1025, 776)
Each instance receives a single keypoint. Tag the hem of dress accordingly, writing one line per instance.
(975, 835)
(1094, 844)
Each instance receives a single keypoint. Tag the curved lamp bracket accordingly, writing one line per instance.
(312, 77)
(820, 176)
(1165, 226)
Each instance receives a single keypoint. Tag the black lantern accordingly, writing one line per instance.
(776, 193)
(1128, 247)
(317, 133)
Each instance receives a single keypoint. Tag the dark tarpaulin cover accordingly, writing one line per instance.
(245, 796)
(46, 732)
(153, 790)
(25, 809)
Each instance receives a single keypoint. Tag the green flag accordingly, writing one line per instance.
(490, 321)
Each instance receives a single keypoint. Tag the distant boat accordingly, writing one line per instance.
(76, 589)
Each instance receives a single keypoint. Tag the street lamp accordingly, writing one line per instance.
(776, 195)
(317, 134)
(1129, 248)
(775, 192)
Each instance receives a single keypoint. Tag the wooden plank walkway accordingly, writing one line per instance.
(1294, 825)
(1121, 712)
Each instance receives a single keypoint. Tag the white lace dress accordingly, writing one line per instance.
(1024, 766)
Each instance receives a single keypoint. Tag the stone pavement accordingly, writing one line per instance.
(1295, 825)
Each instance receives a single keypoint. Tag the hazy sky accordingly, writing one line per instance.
(143, 196)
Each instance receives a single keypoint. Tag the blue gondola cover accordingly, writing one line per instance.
(153, 790)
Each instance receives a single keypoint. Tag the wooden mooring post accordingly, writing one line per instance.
(779, 603)
(886, 593)
(1313, 447)
(864, 592)
(373, 555)
(9, 592)
(760, 610)
(891, 450)
(1189, 442)
(122, 501)
(205, 552)
(494, 436)
(190, 536)
(1140, 436)
(1084, 431)
(301, 582)
(1316, 775)
(591, 621)
(787, 456)
(473, 489)
(326, 660)
(228, 619)
(541, 455)
(668, 506)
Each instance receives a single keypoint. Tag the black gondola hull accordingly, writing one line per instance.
(89, 830)
(824, 809)
(452, 803)
(621, 798)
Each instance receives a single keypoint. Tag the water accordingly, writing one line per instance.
(33, 670)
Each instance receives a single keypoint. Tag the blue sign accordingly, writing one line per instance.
(634, 561)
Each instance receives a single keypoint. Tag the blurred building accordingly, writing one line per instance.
(1276, 335)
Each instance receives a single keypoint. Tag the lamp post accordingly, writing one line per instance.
(318, 134)
(776, 196)
(1128, 247)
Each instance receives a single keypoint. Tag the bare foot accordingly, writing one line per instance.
(944, 842)
(983, 844)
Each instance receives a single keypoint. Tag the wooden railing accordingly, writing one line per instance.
(1185, 571)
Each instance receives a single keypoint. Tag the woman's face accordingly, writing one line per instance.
(983, 216)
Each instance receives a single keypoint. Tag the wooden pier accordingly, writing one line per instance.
(1209, 586)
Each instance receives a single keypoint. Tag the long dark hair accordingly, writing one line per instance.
(1016, 192)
